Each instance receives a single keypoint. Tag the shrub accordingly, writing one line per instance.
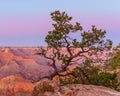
(105, 79)
(114, 58)
(89, 74)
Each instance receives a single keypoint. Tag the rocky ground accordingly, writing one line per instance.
(17, 86)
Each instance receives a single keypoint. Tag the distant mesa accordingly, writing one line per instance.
(22, 62)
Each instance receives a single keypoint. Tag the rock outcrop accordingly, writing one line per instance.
(17, 86)
(12, 85)
(50, 88)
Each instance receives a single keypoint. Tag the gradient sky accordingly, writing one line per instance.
(26, 22)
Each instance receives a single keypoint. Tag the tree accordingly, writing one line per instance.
(63, 50)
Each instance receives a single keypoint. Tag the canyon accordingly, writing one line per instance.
(20, 66)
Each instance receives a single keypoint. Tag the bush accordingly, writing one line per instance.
(89, 74)
(105, 79)
(114, 58)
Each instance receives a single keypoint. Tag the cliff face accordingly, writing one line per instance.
(22, 62)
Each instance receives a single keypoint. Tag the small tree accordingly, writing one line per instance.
(63, 50)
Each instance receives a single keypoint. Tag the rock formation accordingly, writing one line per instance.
(22, 62)
(51, 88)
(12, 85)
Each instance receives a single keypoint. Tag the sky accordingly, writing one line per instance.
(27, 22)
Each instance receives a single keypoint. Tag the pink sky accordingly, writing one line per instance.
(17, 25)
(27, 20)
(24, 25)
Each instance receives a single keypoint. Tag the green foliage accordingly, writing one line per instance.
(89, 44)
(101, 79)
(92, 41)
(89, 74)
(59, 37)
(105, 79)
(114, 58)
(62, 27)
(82, 73)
